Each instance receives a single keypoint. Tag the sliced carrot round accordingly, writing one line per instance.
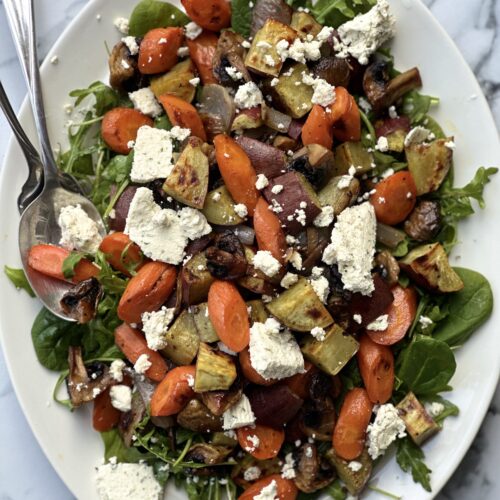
(123, 255)
(212, 15)
(286, 489)
(260, 441)
(183, 114)
(158, 50)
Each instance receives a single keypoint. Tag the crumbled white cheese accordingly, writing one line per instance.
(425, 321)
(392, 112)
(194, 81)
(387, 173)
(248, 95)
(142, 365)
(216, 196)
(254, 443)
(355, 466)
(364, 105)
(132, 45)
(121, 24)
(269, 492)
(296, 260)
(325, 218)
(193, 30)
(121, 397)
(318, 333)
(224, 348)
(155, 325)
(417, 135)
(78, 230)
(324, 93)
(125, 64)
(277, 188)
(130, 481)
(344, 181)
(274, 354)
(241, 210)
(116, 369)
(238, 415)
(261, 181)
(321, 287)
(274, 82)
(252, 473)
(382, 144)
(234, 73)
(379, 324)
(269, 61)
(387, 427)
(145, 101)
(183, 51)
(179, 133)
(364, 34)
(352, 247)
(190, 380)
(288, 471)
(265, 262)
(357, 318)
(450, 144)
(193, 222)
(434, 409)
(288, 280)
(246, 44)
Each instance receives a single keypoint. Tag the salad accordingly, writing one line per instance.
(272, 308)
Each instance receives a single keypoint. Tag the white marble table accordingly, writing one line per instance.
(25, 473)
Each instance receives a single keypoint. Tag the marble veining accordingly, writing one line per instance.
(24, 471)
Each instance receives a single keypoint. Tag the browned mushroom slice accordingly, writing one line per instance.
(381, 91)
(265, 159)
(314, 161)
(226, 258)
(389, 265)
(81, 300)
(270, 9)
(85, 383)
(424, 222)
(208, 454)
(198, 418)
(334, 70)
(123, 72)
(310, 473)
(131, 419)
(230, 53)
(216, 109)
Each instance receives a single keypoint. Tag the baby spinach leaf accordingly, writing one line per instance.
(105, 97)
(426, 366)
(241, 16)
(70, 262)
(52, 337)
(449, 408)
(162, 122)
(150, 14)
(335, 12)
(468, 309)
(410, 458)
(417, 105)
(115, 447)
(18, 279)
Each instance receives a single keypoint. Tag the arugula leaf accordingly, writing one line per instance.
(468, 309)
(105, 97)
(430, 124)
(335, 12)
(150, 14)
(241, 16)
(18, 279)
(115, 447)
(336, 490)
(417, 105)
(410, 457)
(449, 408)
(426, 365)
(70, 262)
(162, 122)
(108, 277)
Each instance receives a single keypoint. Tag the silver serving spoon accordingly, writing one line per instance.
(38, 222)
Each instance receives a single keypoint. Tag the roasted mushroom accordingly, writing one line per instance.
(334, 70)
(131, 419)
(389, 267)
(219, 401)
(85, 383)
(270, 9)
(315, 162)
(209, 454)
(230, 53)
(198, 418)
(123, 71)
(226, 258)
(216, 110)
(424, 222)
(81, 300)
(312, 474)
(381, 91)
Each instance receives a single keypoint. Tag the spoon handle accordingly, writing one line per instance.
(20, 16)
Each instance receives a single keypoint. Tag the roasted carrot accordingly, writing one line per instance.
(286, 489)
(340, 106)
(120, 125)
(49, 259)
(401, 315)
(394, 198)
(202, 51)
(212, 15)
(268, 231)
(376, 365)
(132, 343)
(268, 442)
(300, 383)
(104, 415)
(158, 50)
(121, 253)
(183, 114)
(249, 371)
(237, 171)
(147, 291)
(317, 128)
(228, 312)
(173, 392)
(347, 127)
(350, 431)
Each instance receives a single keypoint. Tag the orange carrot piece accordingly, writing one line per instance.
(104, 415)
(249, 371)
(376, 365)
(317, 128)
(268, 231)
(202, 51)
(120, 125)
(347, 127)
(49, 259)
(228, 312)
(147, 291)
(340, 106)
(350, 431)
(121, 252)
(401, 313)
(173, 392)
(133, 344)
(212, 15)
(183, 114)
(394, 198)
(237, 171)
(300, 383)
(158, 50)
(286, 489)
(270, 440)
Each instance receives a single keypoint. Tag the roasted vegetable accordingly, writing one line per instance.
(331, 354)
(276, 120)
(219, 401)
(215, 370)
(305, 23)
(257, 312)
(315, 162)
(230, 54)
(188, 180)
(255, 281)
(123, 71)
(419, 423)
(265, 159)
(389, 267)
(208, 454)
(262, 57)
(226, 258)
(334, 70)
(219, 208)
(310, 474)
(291, 94)
(198, 418)
(352, 154)
(269, 9)
(182, 340)
(428, 265)
(429, 164)
(131, 419)
(300, 308)
(202, 322)
(395, 131)
(247, 119)
(176, 82)
(195, 280)
(337, 197)
(355, 481)
(81, 300)
(424, 222)
(216, 110)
